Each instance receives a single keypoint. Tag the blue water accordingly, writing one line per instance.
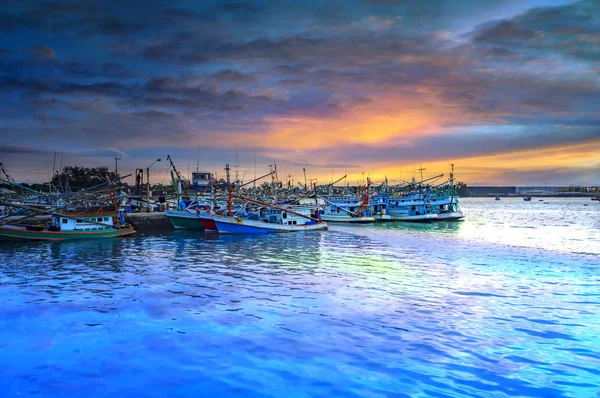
(506, 303)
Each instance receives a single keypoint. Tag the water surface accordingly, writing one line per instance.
(503, 304)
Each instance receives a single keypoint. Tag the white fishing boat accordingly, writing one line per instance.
(346, 209)
(277, 222)
(444, 201)
(409, 208)
(268, 218)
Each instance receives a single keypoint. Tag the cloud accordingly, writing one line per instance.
(571, 30)
(232, 76)
(373, 79)
(505, 31)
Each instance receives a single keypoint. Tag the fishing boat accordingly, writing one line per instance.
(268, 218)
(527, 199)
(411, 207)
(269, 221)
(71, 225)
(444, 201)
(348, 208)
(201, 220)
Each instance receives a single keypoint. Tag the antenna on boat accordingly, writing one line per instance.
(198, 161)
(304, 170)
(227, 173)
(237, 164)
(116, 158)
(421, 170)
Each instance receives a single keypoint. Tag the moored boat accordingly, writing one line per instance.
(191, 220)
(238, 225)
(352, 209)
(268, 218)
(68, 226)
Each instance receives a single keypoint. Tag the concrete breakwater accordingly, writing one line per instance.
(147, 222)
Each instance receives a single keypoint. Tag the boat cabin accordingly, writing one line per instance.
(201, 179)
(276, 216)
(82, 222)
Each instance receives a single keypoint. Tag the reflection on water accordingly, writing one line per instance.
(404, 309)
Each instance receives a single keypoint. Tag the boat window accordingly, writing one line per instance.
(284, 214)
(105, 218)
(79, 220)
(65, 220)
(99, 219)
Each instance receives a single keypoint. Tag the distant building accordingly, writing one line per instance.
(529, 191)
(490, 191)
(545, 190)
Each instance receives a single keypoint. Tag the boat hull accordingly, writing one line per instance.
(347, 219)
(18, 234)
(187, 220)
(451, 216)
(407, 218)
(234, 225)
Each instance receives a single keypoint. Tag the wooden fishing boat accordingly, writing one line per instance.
(409, 208)
(68, 226)
(237, 225)
(269, 218)
(352, 209)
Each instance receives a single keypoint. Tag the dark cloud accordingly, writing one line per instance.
(571, 30)
(505, 31)
(13, 149)
(232, 76)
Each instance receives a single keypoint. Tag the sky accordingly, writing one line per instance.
(507, 91)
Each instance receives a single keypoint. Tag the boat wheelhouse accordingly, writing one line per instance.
(200, 180)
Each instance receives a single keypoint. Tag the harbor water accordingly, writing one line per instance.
(505, 303)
